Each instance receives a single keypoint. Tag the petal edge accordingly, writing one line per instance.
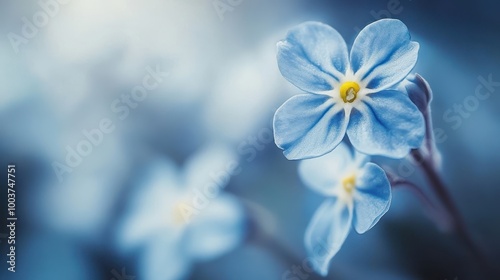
(312, 57)
(308, 125)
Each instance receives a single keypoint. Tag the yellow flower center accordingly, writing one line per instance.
(179, 214)
(349, 183)
(349, 91)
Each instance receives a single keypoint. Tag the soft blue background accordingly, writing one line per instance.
(223, 88)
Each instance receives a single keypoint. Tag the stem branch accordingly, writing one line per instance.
(457, 223)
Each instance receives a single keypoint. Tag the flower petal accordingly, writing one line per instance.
(307, 126)
(163, 258)
(312, 56)
(383, 54)
(218, 229)
(372, 197)
(359, 159)
(323, 174)
(209, 167)
(387, 123)
(327, 232)
(153, 197)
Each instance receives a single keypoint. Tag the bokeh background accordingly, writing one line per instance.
(222, 89)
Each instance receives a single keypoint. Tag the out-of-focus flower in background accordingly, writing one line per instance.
(178, 217)
(223, 86)
(245, 96)
(97, 180)
(358, 194)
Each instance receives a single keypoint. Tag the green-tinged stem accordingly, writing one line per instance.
(457, 222)
(434, 210)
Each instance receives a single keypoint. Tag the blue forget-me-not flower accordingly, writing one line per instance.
(355, 94)
(179, 217)
(358, 193)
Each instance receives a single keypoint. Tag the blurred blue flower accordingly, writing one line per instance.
(354, 94)
(175, 221)
(358, 193)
